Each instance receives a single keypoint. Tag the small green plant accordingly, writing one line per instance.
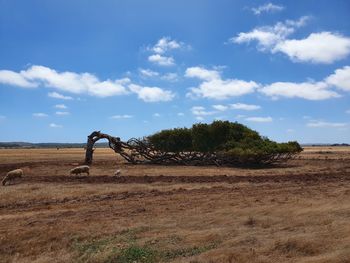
(135, 254)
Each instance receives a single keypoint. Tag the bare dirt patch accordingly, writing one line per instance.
(296, 212)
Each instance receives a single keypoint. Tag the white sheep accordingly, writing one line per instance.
(11, 175)
(117, 173)
(80, 169)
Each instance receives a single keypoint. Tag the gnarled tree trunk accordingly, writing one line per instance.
(114, 143)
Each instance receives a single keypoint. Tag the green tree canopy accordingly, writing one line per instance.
(230, 142)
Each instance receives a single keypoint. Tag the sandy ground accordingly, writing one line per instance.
(296, 212)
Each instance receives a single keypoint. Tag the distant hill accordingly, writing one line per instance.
(29, 145)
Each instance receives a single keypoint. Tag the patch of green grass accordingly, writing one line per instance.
(101, 250)
(91, 247)
(135, 254)
(187, 252)
(125, 248)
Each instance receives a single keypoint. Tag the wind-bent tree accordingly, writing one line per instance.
(218, 143)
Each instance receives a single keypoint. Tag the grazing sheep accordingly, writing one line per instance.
(117, 173)
(18, 173)
(80, 169)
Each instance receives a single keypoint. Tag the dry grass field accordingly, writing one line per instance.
(296, 212)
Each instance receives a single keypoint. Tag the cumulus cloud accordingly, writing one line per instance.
(269, 36)
(152, 94)
(54, 125)
(67, 81)
(243, 106)
(311, 90)
(62, 113)
(323, 47)
(161, 60)
(61, 106)
(259, 119)
(340, 79)
(237, 106)
(170, 77)
(124, 116)
(40, 115)
(214, 87)
(201, 111)
(267, 8)
(165, 44)
(220, 107)
(15, 79)
(84, 83)
(305, 90)
(57, 95)
(324, 124)
(202, 73)
(148, 73)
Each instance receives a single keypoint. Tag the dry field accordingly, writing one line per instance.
(298, 212)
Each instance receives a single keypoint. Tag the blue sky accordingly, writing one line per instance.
(130, 68)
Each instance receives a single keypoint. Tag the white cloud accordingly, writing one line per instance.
(54, 125)
(151, 94)
(199, 118)
(202, 73)
(161, 60)
(214, 87)
(242, 106)
(305, 90)
(269, 36)
(201, 111)
(180, 114)
(148, 73)
(61, 106)
(237, 106)
(323, 47)
(268, 7)
(323, 124)
(165, 44)
(62, 113)
(170, 77)
(57, 95)
(259, 119)
(40, 115)
(125, 116)
(156, 115)
(220, 107)
(340, 78)
(15, 79)
(72, 82)
(86, 83)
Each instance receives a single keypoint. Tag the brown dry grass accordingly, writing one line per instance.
(301, 218)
